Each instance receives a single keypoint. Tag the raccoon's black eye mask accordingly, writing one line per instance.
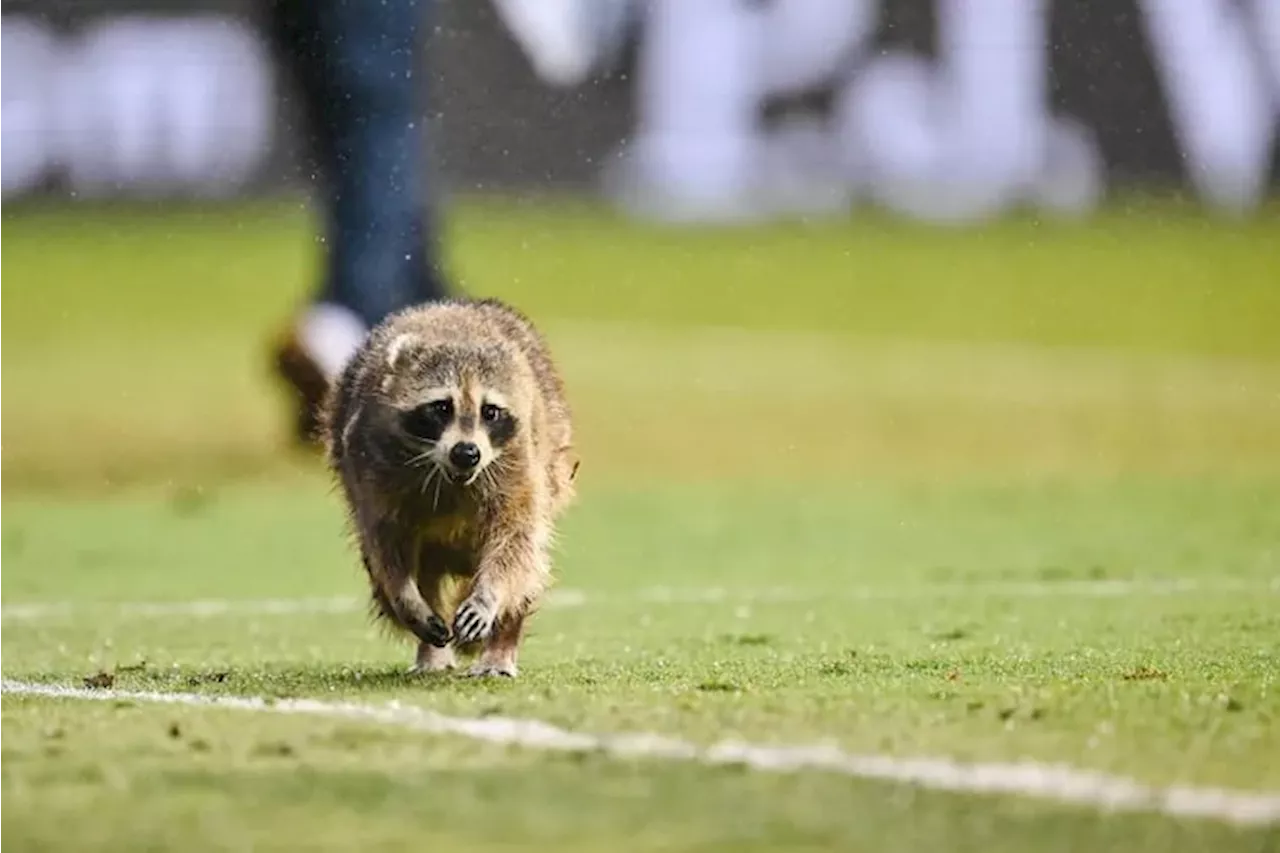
(427, 422)
(498, 422)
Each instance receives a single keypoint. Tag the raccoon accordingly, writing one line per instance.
(451, 438)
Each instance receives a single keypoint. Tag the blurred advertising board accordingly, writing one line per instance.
(690, 109)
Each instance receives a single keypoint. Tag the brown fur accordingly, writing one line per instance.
(459, 557)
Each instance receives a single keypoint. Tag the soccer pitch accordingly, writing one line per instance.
(888, 538)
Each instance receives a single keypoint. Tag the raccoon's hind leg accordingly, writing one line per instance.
(430, 657)
(433, 658)
(501, 649)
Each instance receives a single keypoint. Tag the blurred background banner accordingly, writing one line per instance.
(693, 110)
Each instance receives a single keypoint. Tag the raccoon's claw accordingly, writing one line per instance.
(474, 620)
(433, 631)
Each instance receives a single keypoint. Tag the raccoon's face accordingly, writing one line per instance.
(461, 428)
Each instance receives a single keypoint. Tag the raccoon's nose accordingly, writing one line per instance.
(464, 456)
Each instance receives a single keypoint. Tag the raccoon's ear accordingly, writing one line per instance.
(401, 346)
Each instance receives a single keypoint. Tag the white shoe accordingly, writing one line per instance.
(330, 334)
(310, 356)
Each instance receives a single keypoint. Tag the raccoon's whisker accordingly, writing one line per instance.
(419, 460)
(492, 472)
(435, 500)
(426, 452)
(426, 481)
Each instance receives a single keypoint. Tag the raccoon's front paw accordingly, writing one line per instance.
(434, 631)
(474, 619)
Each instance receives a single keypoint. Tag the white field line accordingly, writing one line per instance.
(216, 607)
(1055, 783)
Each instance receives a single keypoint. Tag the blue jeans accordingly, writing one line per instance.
(358, 68)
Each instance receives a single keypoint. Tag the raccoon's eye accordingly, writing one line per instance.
(490, 413)
(428, 421)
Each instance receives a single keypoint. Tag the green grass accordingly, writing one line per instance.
(135, 343)
(909, 458)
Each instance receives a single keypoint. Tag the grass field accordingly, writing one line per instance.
(989, 496)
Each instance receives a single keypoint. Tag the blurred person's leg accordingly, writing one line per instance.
(358, 68)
